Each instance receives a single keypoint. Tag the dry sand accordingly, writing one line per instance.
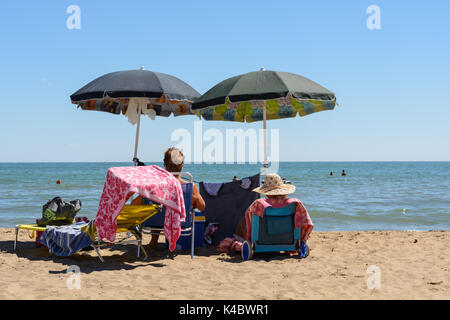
(412, 265)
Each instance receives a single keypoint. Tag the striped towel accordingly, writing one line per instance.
(64, 241)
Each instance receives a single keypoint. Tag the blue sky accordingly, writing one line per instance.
(392, 85)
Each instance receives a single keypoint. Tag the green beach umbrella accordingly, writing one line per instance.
(263, 95)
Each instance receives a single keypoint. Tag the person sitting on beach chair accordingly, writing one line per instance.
(276, 193)
(174, 162)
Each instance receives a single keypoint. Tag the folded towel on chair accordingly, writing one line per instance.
(64, 241)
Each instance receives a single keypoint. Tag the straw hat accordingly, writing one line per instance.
(274, 186)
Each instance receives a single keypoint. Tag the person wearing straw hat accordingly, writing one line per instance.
(275, 186)
(276, 193)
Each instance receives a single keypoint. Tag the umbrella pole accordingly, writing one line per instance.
(138, 125)
(265, 164)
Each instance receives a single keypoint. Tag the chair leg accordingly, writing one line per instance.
(143, 250)
(140, 246)
(98, 253)
(193, 236)
(139, 249)
(17, 235)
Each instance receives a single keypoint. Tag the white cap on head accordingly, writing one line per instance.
(177, 157)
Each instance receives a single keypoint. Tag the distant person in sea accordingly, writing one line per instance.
(276, 193)
(235, 178)
(331, 173)
(343, 173)
(174, 162)
(284, 179)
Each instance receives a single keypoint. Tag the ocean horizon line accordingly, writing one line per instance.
(234, 163)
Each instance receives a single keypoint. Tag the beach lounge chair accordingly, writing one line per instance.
(114, 216)
(155, 224)
(31, 227)
(129, 219)
(274, 232)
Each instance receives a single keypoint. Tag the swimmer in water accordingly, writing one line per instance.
(343, 173)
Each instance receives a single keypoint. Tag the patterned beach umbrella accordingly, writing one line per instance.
(263, 95)
(136, 92)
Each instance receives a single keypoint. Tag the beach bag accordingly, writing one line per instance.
(229, 245)
(57, 212)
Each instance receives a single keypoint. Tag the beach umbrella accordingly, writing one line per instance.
(263, 95)
(136, 92)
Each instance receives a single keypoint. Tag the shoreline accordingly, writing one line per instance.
(341, 265)
(192, 163)
(3, 228)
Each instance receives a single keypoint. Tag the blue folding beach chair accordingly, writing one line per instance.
(155, 224)
(274, 232)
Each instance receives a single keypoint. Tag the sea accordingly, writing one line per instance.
(372, 196)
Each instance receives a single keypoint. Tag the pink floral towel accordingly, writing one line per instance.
(151, 182)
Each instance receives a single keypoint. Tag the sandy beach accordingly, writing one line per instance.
(341, 265)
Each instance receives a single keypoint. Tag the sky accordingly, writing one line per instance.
(392, 84)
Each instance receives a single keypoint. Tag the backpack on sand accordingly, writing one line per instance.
(59, 212)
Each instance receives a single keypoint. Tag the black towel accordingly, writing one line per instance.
(228, 206)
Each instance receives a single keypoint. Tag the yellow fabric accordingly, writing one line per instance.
(90, 230)
(134, 215)
(130, 216)
(33, 227)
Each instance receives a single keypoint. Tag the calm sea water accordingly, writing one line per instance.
(373, 195)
